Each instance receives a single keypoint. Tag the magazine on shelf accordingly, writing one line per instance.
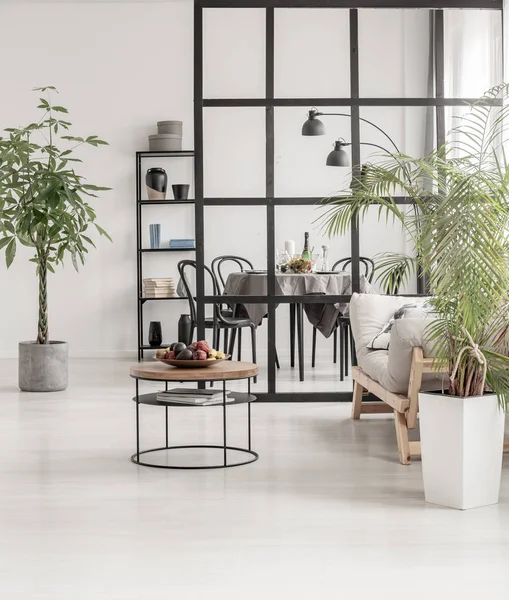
(193, 396)
(196, 402)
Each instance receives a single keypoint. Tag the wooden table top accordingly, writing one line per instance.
(224, 370)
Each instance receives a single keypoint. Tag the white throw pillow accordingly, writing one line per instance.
(414, 310)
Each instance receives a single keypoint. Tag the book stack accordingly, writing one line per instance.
(182, 243)
(194, 397)
(159, 288)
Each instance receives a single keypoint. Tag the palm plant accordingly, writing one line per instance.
(459, 226)
(42, 198)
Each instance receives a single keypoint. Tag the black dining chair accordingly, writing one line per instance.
(242, 263)
(218, 268)
(346, 346)
(218, 321)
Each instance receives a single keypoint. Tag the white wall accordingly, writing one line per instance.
(122, 66)
(119, 69)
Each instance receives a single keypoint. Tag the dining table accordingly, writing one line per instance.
(323, 316)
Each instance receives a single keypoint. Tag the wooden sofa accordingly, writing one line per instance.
(396, 375)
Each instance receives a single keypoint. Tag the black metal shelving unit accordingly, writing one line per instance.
(140, 251)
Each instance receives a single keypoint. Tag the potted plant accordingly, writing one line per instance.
(43, 206)
(459, 224)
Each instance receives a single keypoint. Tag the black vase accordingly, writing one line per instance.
(155, 334)
(156, 180)
(184, 329)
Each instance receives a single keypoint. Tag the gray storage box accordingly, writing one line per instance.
(165, 142)
(169, 127)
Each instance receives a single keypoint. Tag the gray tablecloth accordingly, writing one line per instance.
(322, 316)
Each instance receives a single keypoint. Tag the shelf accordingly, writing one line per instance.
(143, 299)
(148, 347)
(165, 153)
(167, 250)
(240, 398)
(143, 202)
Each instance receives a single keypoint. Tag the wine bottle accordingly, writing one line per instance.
(306, 252)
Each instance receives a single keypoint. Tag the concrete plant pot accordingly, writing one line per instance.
(43, 367)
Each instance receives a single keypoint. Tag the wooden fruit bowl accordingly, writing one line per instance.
(192, 364)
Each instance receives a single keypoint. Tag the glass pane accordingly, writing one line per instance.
(394, 53)
(300, 168)
(291, 223)
(236, 230)
(311, 53)
(412, 129)
(377, 237)
(473, 52)
(240, 231)
(234, 152)
(234, 53)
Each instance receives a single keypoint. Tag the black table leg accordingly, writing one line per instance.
(137, 422)
(292, 335)
(166, 409)
(300, 339)
(249, 415)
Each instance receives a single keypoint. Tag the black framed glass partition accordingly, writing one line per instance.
(259, 68)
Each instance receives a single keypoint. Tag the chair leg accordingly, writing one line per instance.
(233, 336)
(341, 344)
(225, 345)
(253, 348)
(300, 340)
(292, 335)
(335, 344)
(347, 342)
(402, 438)
(239, 345)
(278, 366)
(358, 390)
(313, 348)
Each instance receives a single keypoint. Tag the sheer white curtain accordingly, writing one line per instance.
(473, 55)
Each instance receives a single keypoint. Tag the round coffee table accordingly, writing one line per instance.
(223, 371)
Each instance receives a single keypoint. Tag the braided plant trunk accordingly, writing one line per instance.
(42, 326)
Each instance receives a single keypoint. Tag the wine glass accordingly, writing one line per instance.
(282, 258)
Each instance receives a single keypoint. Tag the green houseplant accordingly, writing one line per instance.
(43, 205)
(459, 225)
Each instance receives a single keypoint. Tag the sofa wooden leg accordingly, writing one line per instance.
(402, 438)
(357, 400)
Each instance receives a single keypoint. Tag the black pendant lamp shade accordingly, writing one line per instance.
(338, 157)
(313, 126)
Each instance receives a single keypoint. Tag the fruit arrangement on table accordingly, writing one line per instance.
(197, 354)
(297, 265)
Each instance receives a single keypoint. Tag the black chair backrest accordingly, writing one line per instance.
(367, 263)
(219, 261)
(191, 264)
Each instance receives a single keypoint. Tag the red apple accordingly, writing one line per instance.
(200, 355)
(170, 355)
(203, 345)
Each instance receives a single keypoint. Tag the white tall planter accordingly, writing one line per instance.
(462, 441)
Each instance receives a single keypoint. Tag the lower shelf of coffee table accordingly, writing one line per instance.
(239, 398)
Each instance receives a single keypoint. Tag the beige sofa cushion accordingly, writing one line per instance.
(368, 314)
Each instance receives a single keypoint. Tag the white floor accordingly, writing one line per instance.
(326, 512)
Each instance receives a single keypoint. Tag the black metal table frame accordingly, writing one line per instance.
(135, 458)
